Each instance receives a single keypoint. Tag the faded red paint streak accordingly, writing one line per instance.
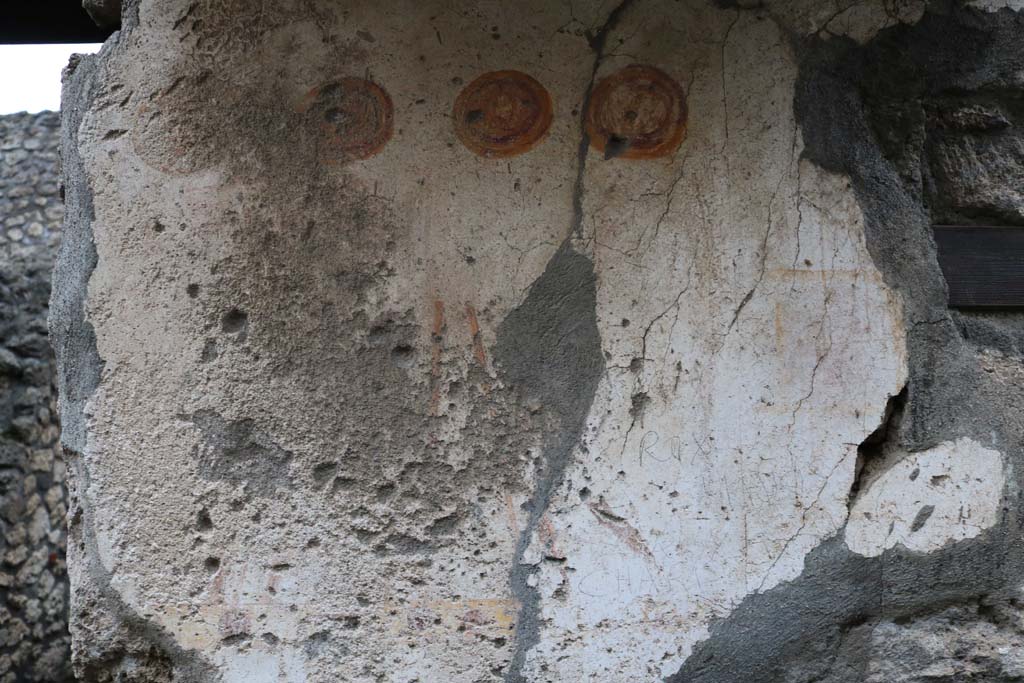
(621, 529)
(502, 114)
(437, 338)
(552, 551)
(356, 118)
(547, 537)
(474, 331)
(638, 112)
(513, 518)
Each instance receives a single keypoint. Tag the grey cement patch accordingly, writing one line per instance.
(549, 351)
(1002, 330)
(237, 451)
(861, 110)
(72, 336)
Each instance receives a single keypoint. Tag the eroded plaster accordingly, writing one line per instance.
(407, 410)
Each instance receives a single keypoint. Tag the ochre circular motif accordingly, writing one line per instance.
(502, 113)
(355, 116)
(638, 112)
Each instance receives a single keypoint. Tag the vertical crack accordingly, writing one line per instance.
(549, 348)
(597, 43)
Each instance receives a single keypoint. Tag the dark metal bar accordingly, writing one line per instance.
(983, 265)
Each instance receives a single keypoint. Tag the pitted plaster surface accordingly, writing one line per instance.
(431, 416)
(927, 499)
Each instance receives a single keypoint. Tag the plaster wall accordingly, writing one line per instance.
(348, 398)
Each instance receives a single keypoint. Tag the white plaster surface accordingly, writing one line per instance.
(961, 482)
(768, 344)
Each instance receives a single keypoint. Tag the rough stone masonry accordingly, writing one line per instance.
(34, 641)
(540, 341)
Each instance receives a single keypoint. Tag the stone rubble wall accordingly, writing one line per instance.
(34, 638)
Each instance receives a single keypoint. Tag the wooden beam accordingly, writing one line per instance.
(983, 265)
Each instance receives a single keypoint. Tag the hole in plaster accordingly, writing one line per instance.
(234, 321)
(235, 639)
(443, 525)
(212, 564)
(193, 290)
(922, 518)
(203, 521)
(342, 483)
(334, 115)
(402, 356)
(872, 452)
(209, 351)
(323, 472)
(638, 402)
(316, 643)
(615, 146)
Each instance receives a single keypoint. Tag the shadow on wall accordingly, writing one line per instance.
(34, 641)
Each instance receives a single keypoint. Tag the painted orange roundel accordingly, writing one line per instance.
(638, 112)
(502, 114)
